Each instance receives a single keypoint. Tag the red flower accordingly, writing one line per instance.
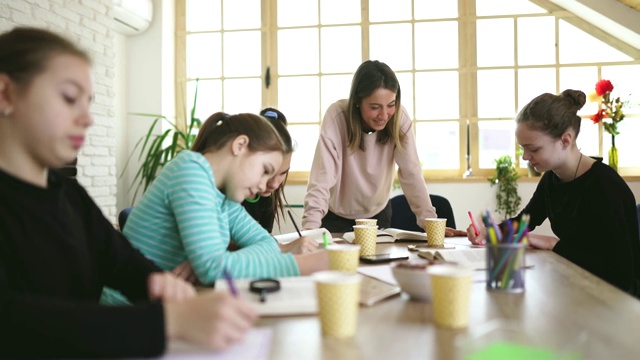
(603, 87)
(597, 117)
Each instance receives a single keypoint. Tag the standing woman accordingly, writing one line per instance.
(353, 168)
(57, 250)
(268, 207)
(574, 190)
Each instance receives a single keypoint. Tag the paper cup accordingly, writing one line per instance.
(450, 294)
(338, 302)
(343, 257)
(435, 231)
(372, 222)
(366, 236)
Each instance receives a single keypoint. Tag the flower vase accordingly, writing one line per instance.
(613, 154)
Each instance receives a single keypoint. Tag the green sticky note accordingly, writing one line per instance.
(509, 351)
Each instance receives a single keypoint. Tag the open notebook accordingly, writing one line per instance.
(315, 234)
(297, 295)
(474, 258)
(390, 235)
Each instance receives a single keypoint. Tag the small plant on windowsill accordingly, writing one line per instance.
(506, 177)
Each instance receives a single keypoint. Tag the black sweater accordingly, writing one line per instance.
(261, 211)
(594, 216)
(57, 251)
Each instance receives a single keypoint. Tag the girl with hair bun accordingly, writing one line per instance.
(591, 209)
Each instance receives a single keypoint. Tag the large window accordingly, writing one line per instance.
(465, 67)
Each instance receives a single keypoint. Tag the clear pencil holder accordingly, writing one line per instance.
(505, 267)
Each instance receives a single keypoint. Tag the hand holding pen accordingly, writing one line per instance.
(475, 233)
(302, 245)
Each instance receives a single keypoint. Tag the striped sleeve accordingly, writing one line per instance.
(204, 216)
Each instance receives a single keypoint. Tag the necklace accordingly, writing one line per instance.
(253, 201)
(577, 167)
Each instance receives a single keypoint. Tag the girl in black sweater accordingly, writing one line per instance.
(591, 209)
(57, 250)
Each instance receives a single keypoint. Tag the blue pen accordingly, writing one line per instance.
(230, 283)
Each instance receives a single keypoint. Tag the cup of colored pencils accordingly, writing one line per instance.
(506, 253)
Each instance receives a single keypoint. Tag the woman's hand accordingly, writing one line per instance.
(212, 319)
(303, 245)
(165, 286)
(476, 239)
(542, 242)
(185, 271)
(449, 232)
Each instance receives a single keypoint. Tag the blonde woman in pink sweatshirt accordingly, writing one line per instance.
(353, 168)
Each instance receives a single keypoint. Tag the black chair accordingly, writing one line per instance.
(638, 206)
(123, 216)
(403, 218)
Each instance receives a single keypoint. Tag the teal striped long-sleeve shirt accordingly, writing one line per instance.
(183, 216)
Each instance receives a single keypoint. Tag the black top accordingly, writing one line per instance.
(261, 211)
(57, 251)
(594, 216)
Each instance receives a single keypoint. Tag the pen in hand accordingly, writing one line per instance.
(294, 223)
(232, 286)
(473, 223)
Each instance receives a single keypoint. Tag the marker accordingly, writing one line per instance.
(325, 238)
(232, 286)
(473, 222)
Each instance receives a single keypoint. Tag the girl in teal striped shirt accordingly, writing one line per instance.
(192, 209)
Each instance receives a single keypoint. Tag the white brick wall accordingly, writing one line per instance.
(86, 22)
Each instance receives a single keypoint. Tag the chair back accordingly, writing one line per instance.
(402, 217)
(123, 216)
(638, 208)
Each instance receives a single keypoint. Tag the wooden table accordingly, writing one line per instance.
(561, 303)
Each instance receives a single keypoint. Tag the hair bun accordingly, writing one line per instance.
(576, 97)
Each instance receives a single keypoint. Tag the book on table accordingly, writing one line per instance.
(297, 295)
(390, 235)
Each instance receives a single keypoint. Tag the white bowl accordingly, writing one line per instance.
(413, 279)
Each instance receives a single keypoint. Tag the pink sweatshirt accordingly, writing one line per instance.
(357, 184)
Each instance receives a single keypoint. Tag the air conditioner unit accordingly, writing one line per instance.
(132, 17)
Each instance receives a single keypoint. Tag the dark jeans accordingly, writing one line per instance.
(338, 224)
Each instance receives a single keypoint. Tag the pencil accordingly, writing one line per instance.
(473, 223)
(232, 286)
(294, 223)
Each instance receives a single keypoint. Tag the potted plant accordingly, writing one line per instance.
(506, 177)
(156, 151)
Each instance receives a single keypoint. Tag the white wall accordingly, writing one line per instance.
(87, 23)
(146, 85)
